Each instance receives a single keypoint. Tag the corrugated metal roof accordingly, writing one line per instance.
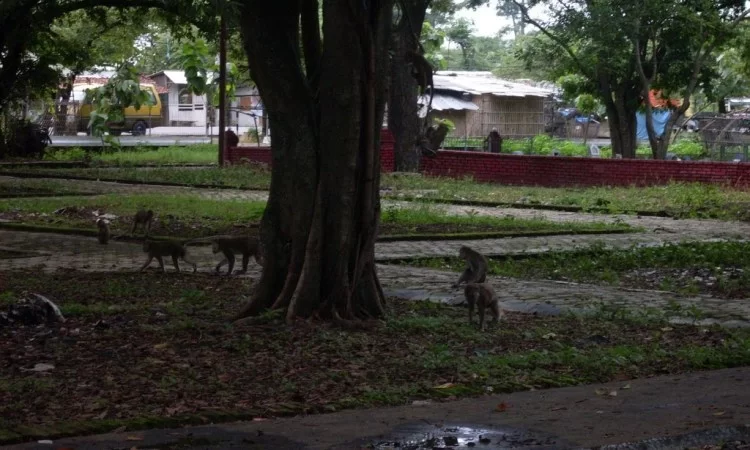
(175, 76)
(444, 102)
(478, 83)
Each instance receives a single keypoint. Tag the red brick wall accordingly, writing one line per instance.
(547, 170)
(568, 171)
(387, 158)
(235, 155)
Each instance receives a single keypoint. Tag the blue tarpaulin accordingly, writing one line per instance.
(660, 121)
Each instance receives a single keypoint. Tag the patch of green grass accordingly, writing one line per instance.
(182, 215)
(7, 298)
(124, 156)
(245, 177)
(599, 265)
(186, 215)
(19, 186)
(420, 214)
(679, 199)
(686, 145)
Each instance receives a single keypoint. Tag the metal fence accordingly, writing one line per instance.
(725, 137)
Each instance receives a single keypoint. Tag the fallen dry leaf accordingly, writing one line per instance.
(134, 438)
(444, 386)
(501, 407)
(720, 413)
(627, 386)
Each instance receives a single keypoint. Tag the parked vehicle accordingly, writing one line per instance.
(137, 121)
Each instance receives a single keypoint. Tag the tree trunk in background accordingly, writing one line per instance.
(320, 224)
(403, 119)
(721, 103)
(61, 108)
(621, 102)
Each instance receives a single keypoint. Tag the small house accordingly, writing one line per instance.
(477, 102)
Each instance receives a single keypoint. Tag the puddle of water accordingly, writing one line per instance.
(422, 436)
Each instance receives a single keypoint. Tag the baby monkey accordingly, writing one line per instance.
(476, 266)
(483, 296)
(143, 218)
(103, 233)
(159, 249)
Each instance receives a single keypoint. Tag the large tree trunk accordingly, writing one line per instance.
(621, 104)
(403, 119)
(622, 131)
(319, 228)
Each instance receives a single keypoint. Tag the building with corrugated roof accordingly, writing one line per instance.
(477, 102)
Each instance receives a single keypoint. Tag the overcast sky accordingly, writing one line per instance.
(486, 20)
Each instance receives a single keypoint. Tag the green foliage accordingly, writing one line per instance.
(110, 100)
(587, 104)
(445, 122)
(130, 156)
(432, 40)
(202, 72)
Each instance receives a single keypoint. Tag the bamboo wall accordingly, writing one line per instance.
(514, 117)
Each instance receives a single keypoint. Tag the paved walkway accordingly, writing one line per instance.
(666, 407)
(50, 252)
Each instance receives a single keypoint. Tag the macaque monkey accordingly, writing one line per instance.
(143, 218)
(103, 233)
(230, 245)
(231, 139)
(482, 296)
(476, 266)
(159, 249)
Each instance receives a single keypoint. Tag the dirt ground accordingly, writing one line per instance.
(556, 418)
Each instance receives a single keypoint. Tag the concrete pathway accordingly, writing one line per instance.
(713, 406)
(51, 252)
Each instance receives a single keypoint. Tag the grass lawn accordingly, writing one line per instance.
(188, 154)
(149, 350)
(235, 176)
(721, 269)
(19, 187)
(191, 216)
(679, 199)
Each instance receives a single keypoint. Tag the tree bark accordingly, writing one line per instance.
(319, 228)
(62, 101)
(621, 105)
(721, 104)
(403, 118)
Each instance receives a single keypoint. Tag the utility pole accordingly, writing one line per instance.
(222, 88)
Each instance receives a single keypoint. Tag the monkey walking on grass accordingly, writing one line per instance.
(482, 296)
(160, 249)
(229, 246)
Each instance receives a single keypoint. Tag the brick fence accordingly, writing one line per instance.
(550, 171)
(237, 155)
